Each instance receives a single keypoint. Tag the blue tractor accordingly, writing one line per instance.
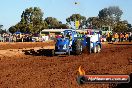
(72, 43)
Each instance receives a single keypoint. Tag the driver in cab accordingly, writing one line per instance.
(69, 36)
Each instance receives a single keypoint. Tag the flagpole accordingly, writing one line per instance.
(75, 16)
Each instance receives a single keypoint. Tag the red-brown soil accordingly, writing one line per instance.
(18, 70)
(19, 45)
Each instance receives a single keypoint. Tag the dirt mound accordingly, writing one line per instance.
(20, 45)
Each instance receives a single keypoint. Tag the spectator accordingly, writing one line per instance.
(130, 37)
(108, 37)
(121, 37)
(116, 37)
(126, 36)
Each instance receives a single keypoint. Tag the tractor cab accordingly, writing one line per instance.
(64, 44)
(70, 34)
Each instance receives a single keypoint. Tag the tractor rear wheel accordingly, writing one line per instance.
(77, 47)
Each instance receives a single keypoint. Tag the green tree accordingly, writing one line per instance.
(52, 22)
(129, 27)
(94, 21)
(120, 27)
(63, 26)
(1, 30)
(12, 29)
(1, 26)
(110, 16)
(115, 13)
(76, 17)
(32, 20)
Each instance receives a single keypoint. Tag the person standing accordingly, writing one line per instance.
(130, 37)
(126, 36)
(121, 37)
(116, 37)
(108, 37)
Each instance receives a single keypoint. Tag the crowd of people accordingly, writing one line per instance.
(6, 37)
(110, 37)
(118, 37)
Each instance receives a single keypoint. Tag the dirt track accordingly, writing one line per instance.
(26, 71)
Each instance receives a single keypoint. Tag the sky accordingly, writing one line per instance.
(11, 10)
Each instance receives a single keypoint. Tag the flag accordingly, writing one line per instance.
(77, 24)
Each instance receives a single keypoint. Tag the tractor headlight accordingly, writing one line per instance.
(64, 47)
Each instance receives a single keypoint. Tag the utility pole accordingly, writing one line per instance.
(76, 21)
